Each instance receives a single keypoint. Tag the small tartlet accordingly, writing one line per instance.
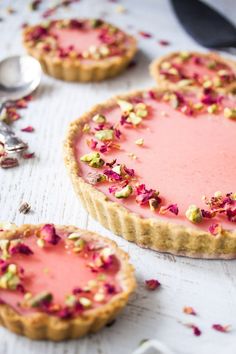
(104, 53)
(44, 314)
(188, 69)
(160, 227)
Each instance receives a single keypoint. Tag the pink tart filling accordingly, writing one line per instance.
(79, 39)
(58, 273)
(166, 156)
(197, 69)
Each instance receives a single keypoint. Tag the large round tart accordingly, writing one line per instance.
(60, 282)
(158, 168)
(80, 49)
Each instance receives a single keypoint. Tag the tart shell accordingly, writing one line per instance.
(40, 326)
(68, 69)
(162, 82)
(150, 232)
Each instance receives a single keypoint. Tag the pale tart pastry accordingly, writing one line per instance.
(193, 69)
(158, 168)
(60, 282)
(80, 49)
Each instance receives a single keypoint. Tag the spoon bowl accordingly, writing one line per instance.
(19, 76)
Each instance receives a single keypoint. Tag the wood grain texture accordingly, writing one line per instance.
(208, 286)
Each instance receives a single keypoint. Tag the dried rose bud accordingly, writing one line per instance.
(9, 162)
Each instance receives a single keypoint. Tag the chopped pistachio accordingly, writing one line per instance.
(218, 194)
(27, 296)
(184, 55)
(139, 141)
(70, 300)
(207, 84)
(165, 65)
(211, 64)
(185, 82)
(79, 245)
(194, 214)
(39, 298)
(223, 72)
(141, 113)
(94, 178)
(40, 242)
(233, 196)
(99, 297)
(86, 128)
(217, 82)
(117, 169)
(95, 23)
(4, 246)
(173, 71)
(134, 119)
(92, 49)
(85, 302)
(93, 159)
(9, 280)
(198, 105)
(174, 101)
(132, 155)
(99, 118)
(105, 134)
(74, 236)
(212, 108)
(124, 192)
(230, 112)
(125, 106)
(12, 268)
(104, 50)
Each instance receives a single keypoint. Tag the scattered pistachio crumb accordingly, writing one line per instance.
(139, 141)
(194, 214)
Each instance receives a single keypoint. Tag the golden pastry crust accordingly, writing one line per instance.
(74, 69)
(43, 326)
(145, 232)
(155, 68)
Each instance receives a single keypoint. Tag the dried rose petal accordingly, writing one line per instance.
(29, 155)
(189, 310)
(220, 328)
(173, 208)
(8, 162)
(152, 284)
(163, 42)
(145, 34)
(215, 229)
(28, 129)
(21, 248)
(196, 331)
(48, 233)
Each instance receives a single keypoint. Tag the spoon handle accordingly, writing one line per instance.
(11, 142)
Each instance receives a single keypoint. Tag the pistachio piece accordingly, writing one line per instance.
(105, 134)
(230, 113)
(79, 245)
(184, 55)
(74, 236)
(40, 242)
(93, 159)
(86, 128)
(134, 119)
(117, 169)
(194, 214)
(212, 108)
(125, 106)
(99, 297)
(85, 302)
(124, 192)
(39, 298)
(139, 141)
(70, 300)
(99, 118)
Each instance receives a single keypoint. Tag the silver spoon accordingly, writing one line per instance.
(19, 76)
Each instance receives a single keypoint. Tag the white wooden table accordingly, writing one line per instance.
(208, 286)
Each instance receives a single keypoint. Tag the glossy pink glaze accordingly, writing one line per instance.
(81, 40)
(56, 270)
(183, 157)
